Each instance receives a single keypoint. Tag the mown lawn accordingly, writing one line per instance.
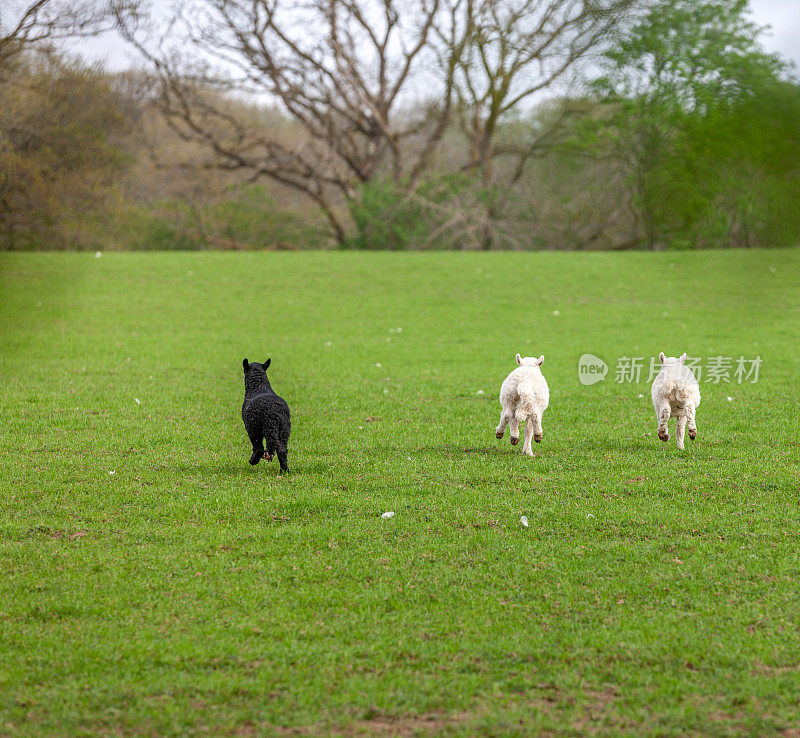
(152, 582)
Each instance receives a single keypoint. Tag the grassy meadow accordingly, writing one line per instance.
(153, 583)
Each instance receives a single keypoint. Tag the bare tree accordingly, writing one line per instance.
(345, 70)
(514, 50)
(510, 52)
(373, 84)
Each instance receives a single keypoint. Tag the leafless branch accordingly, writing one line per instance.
(24, 26)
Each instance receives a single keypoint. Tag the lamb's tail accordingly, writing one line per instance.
(678, 390)
(525, 408)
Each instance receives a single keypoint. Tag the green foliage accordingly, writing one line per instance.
(388, 216)
(688, 55)
(249, 215)
(689, 96)
(155, 228)
(654, 593)
(732, 176)
(746, 173)
(244, 217)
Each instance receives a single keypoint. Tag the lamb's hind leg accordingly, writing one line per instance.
(271, 442)
(663, 413)
(283, 456)
(690, 420)
(258, 448)
(538, 433)
(505, 417)
(680, 429)
(526, 446)
(513, 428)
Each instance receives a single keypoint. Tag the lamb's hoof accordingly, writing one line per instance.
(498, 434)
(538, 438)
(514, 440)
(693, 434)
(528, 452)
(664, 436)
(268, 456)
(254, 460)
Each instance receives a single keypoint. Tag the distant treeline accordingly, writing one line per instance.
(681, 133)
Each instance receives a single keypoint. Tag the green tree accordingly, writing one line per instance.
(734, 176)
(682, 69)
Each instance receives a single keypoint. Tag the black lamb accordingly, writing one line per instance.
(265, 415)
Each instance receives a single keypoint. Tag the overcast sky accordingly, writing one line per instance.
(782, 15)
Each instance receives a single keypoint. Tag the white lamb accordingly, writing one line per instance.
(524, 397)
(676, 394)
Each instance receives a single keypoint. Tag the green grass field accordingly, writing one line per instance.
(152, 582)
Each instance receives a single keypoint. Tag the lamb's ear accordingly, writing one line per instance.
(519, 359)
(683, 357)
(662, 357)
(541, 360)
(267, 363)
(245, 365)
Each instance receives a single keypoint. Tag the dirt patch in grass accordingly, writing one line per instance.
(403, 726)
(590, 712)
(762, 669)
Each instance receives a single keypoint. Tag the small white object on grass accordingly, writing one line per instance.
(590, 515)
(98, 254)
(641, 395)
(479, 392)
(386, 392)
(329, 343)
(556, 313)
(378, 364)
(111, 473)
(524, 521)
(730, 399)
(388, 514)
(137, 401)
